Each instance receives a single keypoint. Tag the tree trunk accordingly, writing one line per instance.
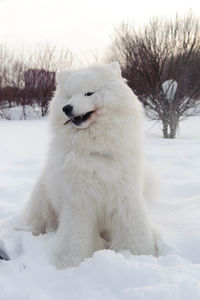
(24, 110)
(165, 129)
(173, 127)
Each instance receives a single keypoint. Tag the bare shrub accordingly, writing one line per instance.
(26, 80)
(162, 57)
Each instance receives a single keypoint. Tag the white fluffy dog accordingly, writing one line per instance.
(91, 189)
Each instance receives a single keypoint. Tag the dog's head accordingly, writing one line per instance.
(83, 95)
(95, 110)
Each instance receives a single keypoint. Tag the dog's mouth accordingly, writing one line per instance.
(78, 120)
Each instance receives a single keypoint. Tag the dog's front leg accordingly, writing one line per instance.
(75, 238)
(39, 216)
(132, 230)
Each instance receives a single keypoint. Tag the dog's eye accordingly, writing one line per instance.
(89, 94)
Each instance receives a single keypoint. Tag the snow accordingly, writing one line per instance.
(174, 274)
(21, 113)
(169, 88)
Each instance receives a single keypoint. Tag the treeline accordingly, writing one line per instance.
(29, 79)
(160, 60)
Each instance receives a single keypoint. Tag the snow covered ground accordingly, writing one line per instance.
(175, 274)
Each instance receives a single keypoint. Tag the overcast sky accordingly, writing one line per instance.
(83, 26)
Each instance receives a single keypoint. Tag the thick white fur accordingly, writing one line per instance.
(91, 189)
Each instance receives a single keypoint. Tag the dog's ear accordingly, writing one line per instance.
(61, 77)
(114, 67)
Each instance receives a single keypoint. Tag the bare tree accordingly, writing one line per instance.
(11, 78)
(162, 63)
(40, 77)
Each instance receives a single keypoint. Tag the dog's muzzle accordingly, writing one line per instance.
(77, 120)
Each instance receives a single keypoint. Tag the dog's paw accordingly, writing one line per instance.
(28, 228)
(62, 261)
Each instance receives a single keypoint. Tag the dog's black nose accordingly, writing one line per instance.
(68, 110)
